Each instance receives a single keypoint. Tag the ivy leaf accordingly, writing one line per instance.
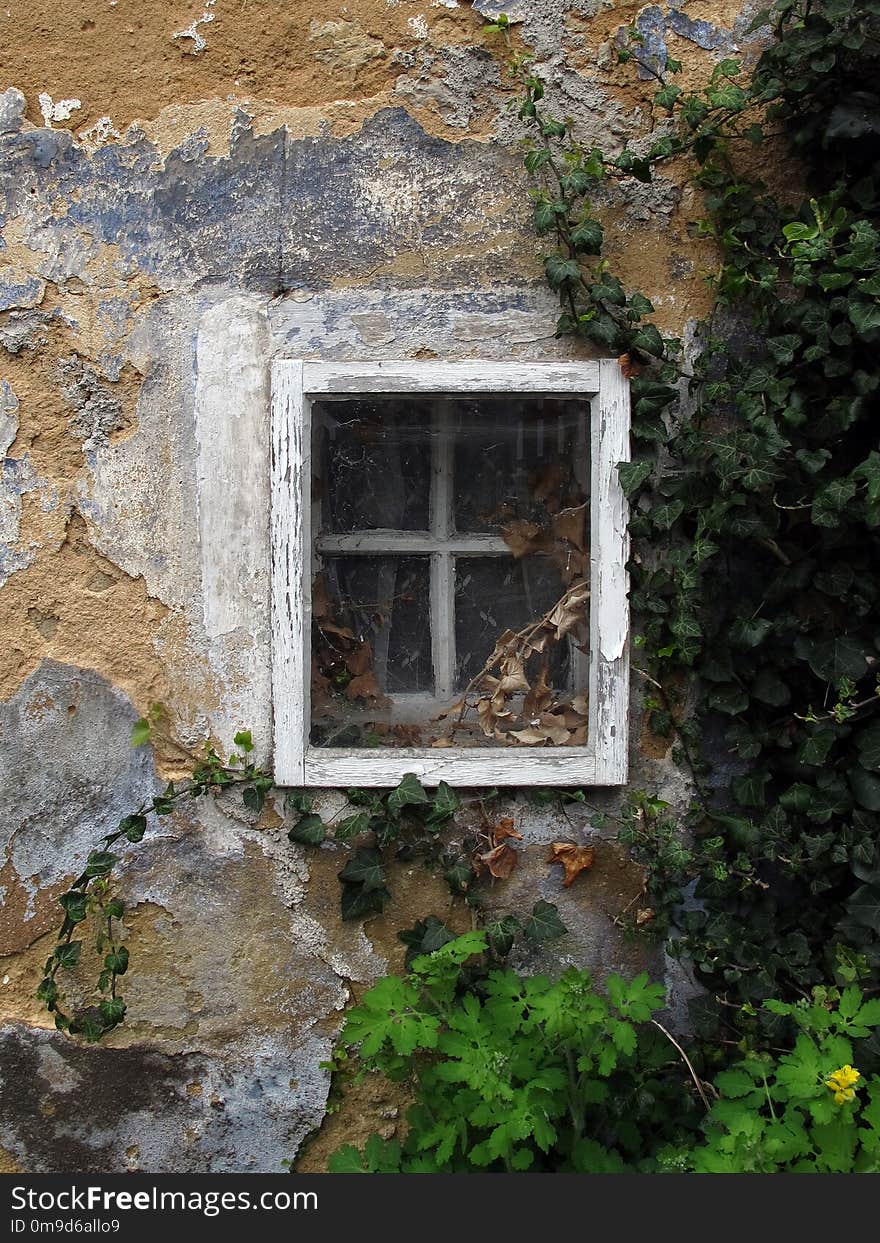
(425, 937)
(648, 339)
(816, 748)
(544, 924)
(831, 501)
(253, 798)
(133, 827)
(632, 475)
(446, 803)
(244, 741)
(409, 793)
(140, 732)
(588, 238)
(866, 788)
(501, 934)
(356, 902)
(352, 826)
(309, 830)
(749, 790)
(117, 960)
(68, 954)
(868, 746)
(100, 863)
(112, 1011)
(834, 659)
(560, 271)
(865, 317)
(750, 631)
(364, 869)
(75, 905)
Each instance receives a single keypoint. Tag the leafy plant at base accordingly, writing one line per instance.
(809, 1111)
(755, 494)
(515, 1074)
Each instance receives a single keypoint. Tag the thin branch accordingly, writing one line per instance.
(687, 1062)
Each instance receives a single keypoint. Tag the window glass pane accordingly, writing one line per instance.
(495, 594)
(371, 639)
(517, 459)
(372, 463)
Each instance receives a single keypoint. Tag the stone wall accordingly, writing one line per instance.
(189, 189)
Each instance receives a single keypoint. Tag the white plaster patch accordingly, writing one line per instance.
(193, 32)
(102, 131)
(62, 110)
(418, 26)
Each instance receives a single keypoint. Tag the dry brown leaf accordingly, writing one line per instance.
(452, 710)
(578, 737)
(443, 741)
(321, 606)
(504, 829)
(554, 729)
(341, 632)
(531, 736)
(575, 859)
(365, 686)
(360, 660)
(320, 689)
(571, 525)
(523, 538)
(628, 366)
(548, 482)
(540, 697)
(513, 679)
(644, 915)
(580, 703)
(500, 861)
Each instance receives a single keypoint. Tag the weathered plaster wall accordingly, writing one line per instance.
(188, 189)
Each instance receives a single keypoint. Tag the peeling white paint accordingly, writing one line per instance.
(232, 434)
(62, 110)
(193, 32)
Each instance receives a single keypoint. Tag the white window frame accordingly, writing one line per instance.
(603, 761)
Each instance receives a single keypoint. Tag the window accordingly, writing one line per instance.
(449, 584)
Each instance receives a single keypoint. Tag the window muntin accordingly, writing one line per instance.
(483, 432)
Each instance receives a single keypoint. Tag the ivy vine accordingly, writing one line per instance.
(755, 494)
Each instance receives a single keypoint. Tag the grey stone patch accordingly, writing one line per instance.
(22, 330)
(12, 109)
(244, 1111)
(703, 34)
(8, 417)
(71, 772)
(651, 25)
(17, 479)
(516, 10)
(98, 411)
(450, 86)
(19, 289)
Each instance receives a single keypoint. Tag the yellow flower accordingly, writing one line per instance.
(842, 1083)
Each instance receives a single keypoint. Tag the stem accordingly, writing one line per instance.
(687, 1062)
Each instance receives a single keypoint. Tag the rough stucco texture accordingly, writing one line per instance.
(186, 189)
